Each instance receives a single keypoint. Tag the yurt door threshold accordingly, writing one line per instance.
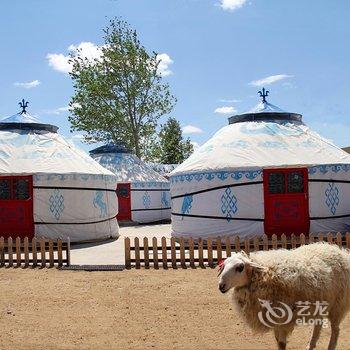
(124, 201)
(16, 206)
(286, 201)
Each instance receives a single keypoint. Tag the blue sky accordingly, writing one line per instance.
(217, 54)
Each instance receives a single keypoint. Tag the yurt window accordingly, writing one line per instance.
(286, 182)
(15, 188)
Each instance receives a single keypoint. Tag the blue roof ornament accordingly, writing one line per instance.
(23, 104)
(263, 94)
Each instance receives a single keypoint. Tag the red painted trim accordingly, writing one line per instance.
(296, 203)
(124, 203)
(21, 209)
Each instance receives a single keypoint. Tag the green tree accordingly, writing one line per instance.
(119, 96)
(173, 149)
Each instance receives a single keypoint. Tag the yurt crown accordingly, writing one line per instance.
(263, 94)
(23, 104)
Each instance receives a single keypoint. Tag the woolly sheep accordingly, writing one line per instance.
(267, 283)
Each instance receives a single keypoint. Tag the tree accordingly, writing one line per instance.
(119, 96)
(173, 149)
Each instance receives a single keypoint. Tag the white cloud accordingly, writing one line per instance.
(191, 129)
(29, 85)
(164, 62)
(270, 80)
(195, 145)
(61, 110)
(59, 61)
(78, 137)
(232, 5)
(225, 110)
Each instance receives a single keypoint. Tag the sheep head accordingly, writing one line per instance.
(236, 271)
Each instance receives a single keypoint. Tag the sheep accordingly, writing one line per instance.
(269, 288)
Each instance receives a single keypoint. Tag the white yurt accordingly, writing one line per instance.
(143, 194)
(49, 188)
(265, 172)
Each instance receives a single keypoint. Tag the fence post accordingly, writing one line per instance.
(10, 251)
(274, 241)
(51, 253)
(200, 253)
(26, 251)
(173, 252)
(2, 251)
(210, 252)
(292, 241)
(146, 252)
(247, 245)
(265, 242)
(59, 252)
(34, 252)
(182, 253)
(302, 239)
(18, 251)
(127, 253)
(339, 239)
(68, 251)
(218, 250)
(137, 252)
(228, 246)
(348, 240)
(284, 241)
(164, 253)
(256, 243)
(311, 238)
(237, 244)
(42, 252)
(330, 237)
(320, 237)
(155, 252)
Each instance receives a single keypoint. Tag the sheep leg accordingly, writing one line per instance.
(314, 337)
(334, 336)
(281, 338)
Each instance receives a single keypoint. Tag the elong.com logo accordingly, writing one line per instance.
(305, 313)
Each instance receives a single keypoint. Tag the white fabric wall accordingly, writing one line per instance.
(246, 202)
(86, 210)
(149, 202)
(328, 199)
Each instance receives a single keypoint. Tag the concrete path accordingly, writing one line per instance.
(111, 252)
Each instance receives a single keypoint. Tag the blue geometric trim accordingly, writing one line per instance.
(324, 169)
(228, 204)
(221, 175)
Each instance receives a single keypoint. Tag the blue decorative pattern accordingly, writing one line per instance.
(228, 204)
(221, 175)
(165, 200)
(324, 169)
(332, 197)
(187, 204)
(98, 202)
(56, 204)
(146, 198)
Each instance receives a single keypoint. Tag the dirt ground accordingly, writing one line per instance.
(52, 309)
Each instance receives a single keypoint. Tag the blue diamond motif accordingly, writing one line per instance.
(56, 204)
(228, 204)
(146, 200)
(332, 197)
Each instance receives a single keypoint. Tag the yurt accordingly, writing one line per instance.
(265, 172)
(49, 188)
(143, 194)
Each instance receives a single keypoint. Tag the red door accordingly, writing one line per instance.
(286, 201)
(16, 206)
(124, 202)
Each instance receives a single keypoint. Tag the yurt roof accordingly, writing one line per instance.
(28, 146)
(126, 166)
(264, 137)
(24, 121)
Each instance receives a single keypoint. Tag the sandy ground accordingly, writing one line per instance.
(137, 309)
(112, 252)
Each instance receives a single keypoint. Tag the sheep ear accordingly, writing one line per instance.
(256, 266)
(244, 254)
